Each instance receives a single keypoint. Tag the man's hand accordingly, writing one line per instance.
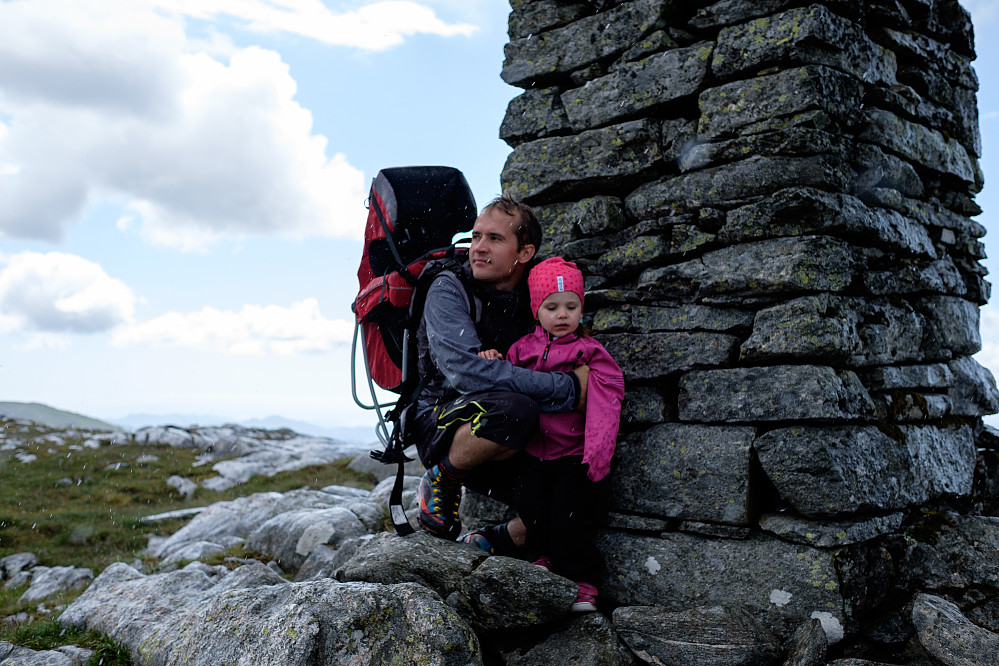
(491, 354)
(583, 373)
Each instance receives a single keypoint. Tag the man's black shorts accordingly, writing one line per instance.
(506, 418)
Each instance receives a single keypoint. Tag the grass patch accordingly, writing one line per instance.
(49, 635)
(78, 506)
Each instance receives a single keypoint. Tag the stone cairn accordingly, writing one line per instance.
(771, 202)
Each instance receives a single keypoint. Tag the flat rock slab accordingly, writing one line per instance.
(951, 637)
(707, 636)
(839, 470)
(781, 584)
(773, 393)
(685, 471)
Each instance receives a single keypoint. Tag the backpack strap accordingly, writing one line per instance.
(395, 450)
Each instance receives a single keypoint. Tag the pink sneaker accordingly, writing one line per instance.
(586, 600)
(544, 562)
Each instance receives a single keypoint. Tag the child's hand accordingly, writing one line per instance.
(491, 354)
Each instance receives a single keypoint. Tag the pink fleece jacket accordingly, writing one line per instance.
(570, 433)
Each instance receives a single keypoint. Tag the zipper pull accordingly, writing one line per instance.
(548, 346)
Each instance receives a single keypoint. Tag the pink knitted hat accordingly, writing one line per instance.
(552, 276)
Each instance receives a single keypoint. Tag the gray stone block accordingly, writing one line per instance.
(779, 584)
(687, 472)
(797, 211)
(708, 636)
(638, 87)
(562, 50)
(534, 114)
(775, 393)
(598, 158)
(803, 35)
(728, 108)
(655, 355)
(734, 183)
(922, 145)
(951, 327)
(832, 329)
(763, 268)
(839, 470)
(689, 318)
(529, 17)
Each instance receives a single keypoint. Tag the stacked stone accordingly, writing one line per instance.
(772, 204)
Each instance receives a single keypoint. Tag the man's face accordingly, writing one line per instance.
(494, 254)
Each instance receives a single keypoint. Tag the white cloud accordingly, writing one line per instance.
(255, 329)
(375, 26)
(42, 295)
(105, 100)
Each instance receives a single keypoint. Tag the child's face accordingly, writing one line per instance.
(559, 314)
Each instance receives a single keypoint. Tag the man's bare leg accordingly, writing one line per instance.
(468, 451)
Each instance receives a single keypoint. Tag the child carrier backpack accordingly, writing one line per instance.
(413, 215)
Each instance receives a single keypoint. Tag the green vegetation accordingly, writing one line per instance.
(77, 506)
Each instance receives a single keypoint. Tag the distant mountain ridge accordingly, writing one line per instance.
(352, 434)
(55, 418)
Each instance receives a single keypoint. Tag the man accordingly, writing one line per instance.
(476, 414)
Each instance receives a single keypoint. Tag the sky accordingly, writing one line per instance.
(182, 188)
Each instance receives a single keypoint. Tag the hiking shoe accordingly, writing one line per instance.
(478, 540)
(544, 562)
(439, 499)
(586, 600)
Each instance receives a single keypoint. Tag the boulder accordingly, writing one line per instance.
(950, 551)
(491, 593)
(924, 146)
(12, 565)
(583, 639)
(534, 114)
(46, 581)
(252, 614)
(704, 635)
(830, 533)
(805, 210)
(529, 17)
(290, 537)
(950, 636)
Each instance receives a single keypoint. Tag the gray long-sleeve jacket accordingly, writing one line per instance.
(449, 341)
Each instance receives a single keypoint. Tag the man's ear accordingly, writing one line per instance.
(526, 253)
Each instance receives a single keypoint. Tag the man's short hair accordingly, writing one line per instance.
(529, 229)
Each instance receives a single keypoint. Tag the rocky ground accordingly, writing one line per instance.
(337, 588)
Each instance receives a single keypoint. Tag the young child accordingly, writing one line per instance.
(560, 495)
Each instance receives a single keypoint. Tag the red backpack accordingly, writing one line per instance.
(414, 214)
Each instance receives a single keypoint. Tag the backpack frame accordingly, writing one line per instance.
(413, 215)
